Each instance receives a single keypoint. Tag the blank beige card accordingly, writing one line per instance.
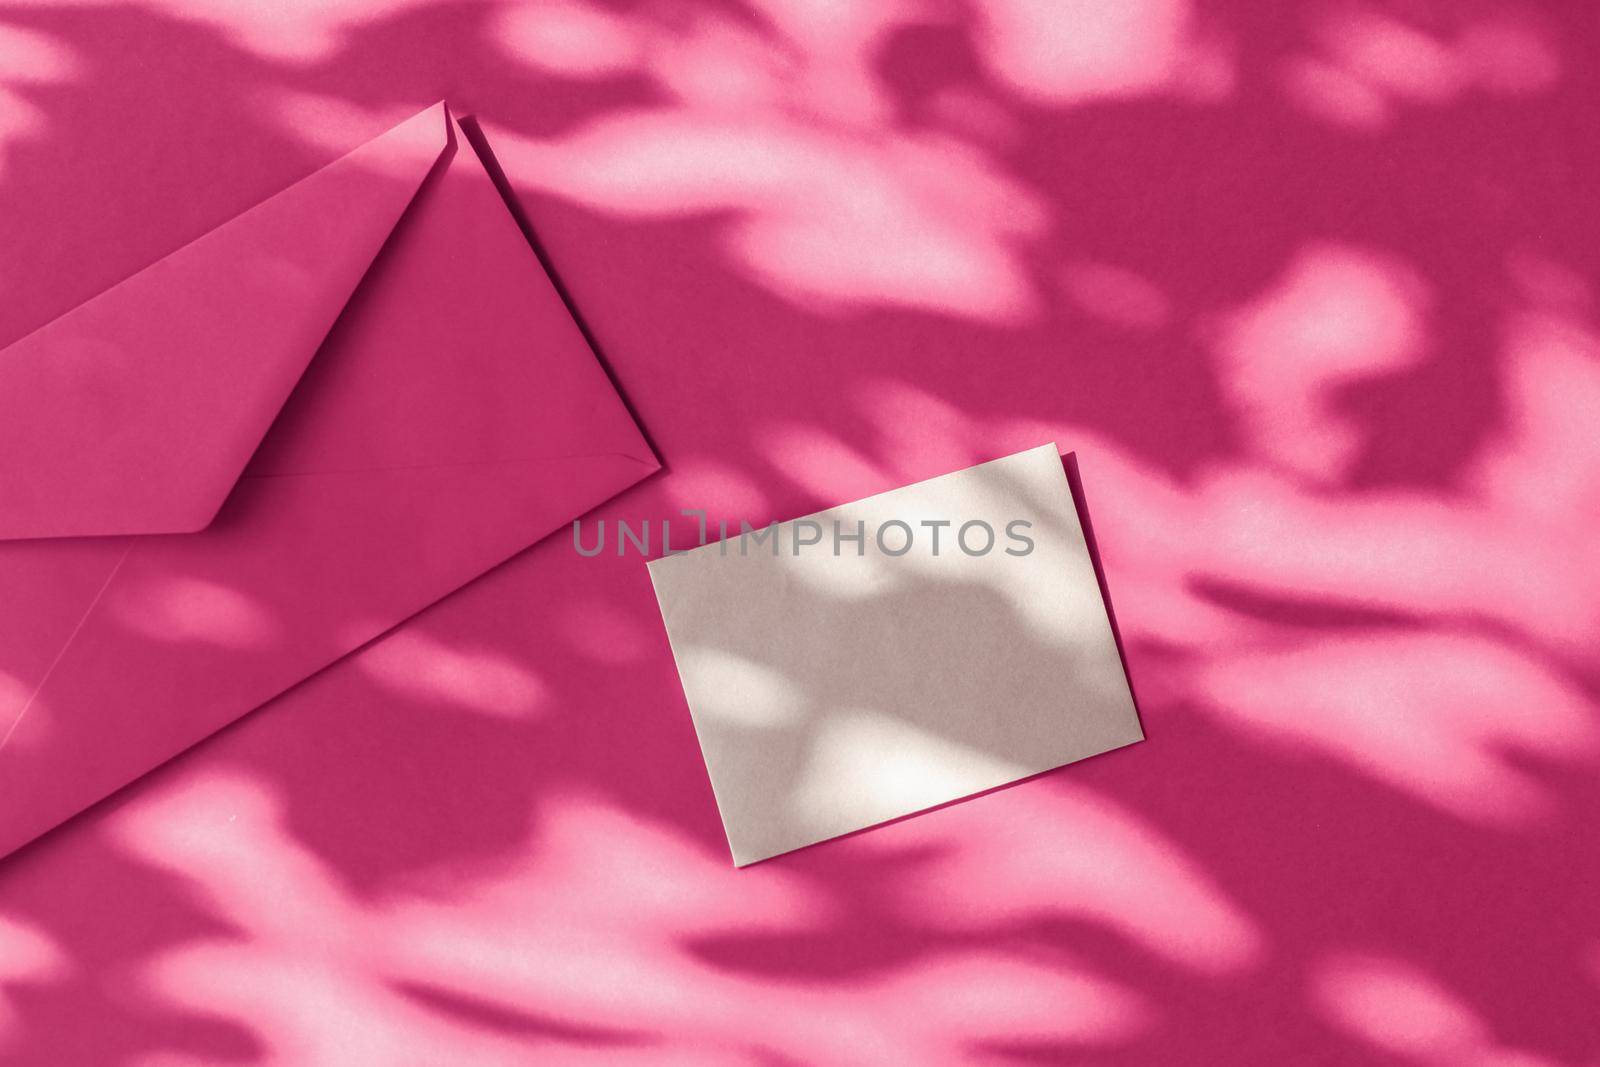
(895, 653)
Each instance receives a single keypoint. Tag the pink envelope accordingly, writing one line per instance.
(268, 448)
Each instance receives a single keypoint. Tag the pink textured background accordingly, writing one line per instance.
(1310, 288)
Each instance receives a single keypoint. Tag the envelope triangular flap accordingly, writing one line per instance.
(480, 363)
(136, 412)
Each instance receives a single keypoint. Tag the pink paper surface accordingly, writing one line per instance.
(1310, 291)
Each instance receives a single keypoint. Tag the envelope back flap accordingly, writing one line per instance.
(136, 412)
